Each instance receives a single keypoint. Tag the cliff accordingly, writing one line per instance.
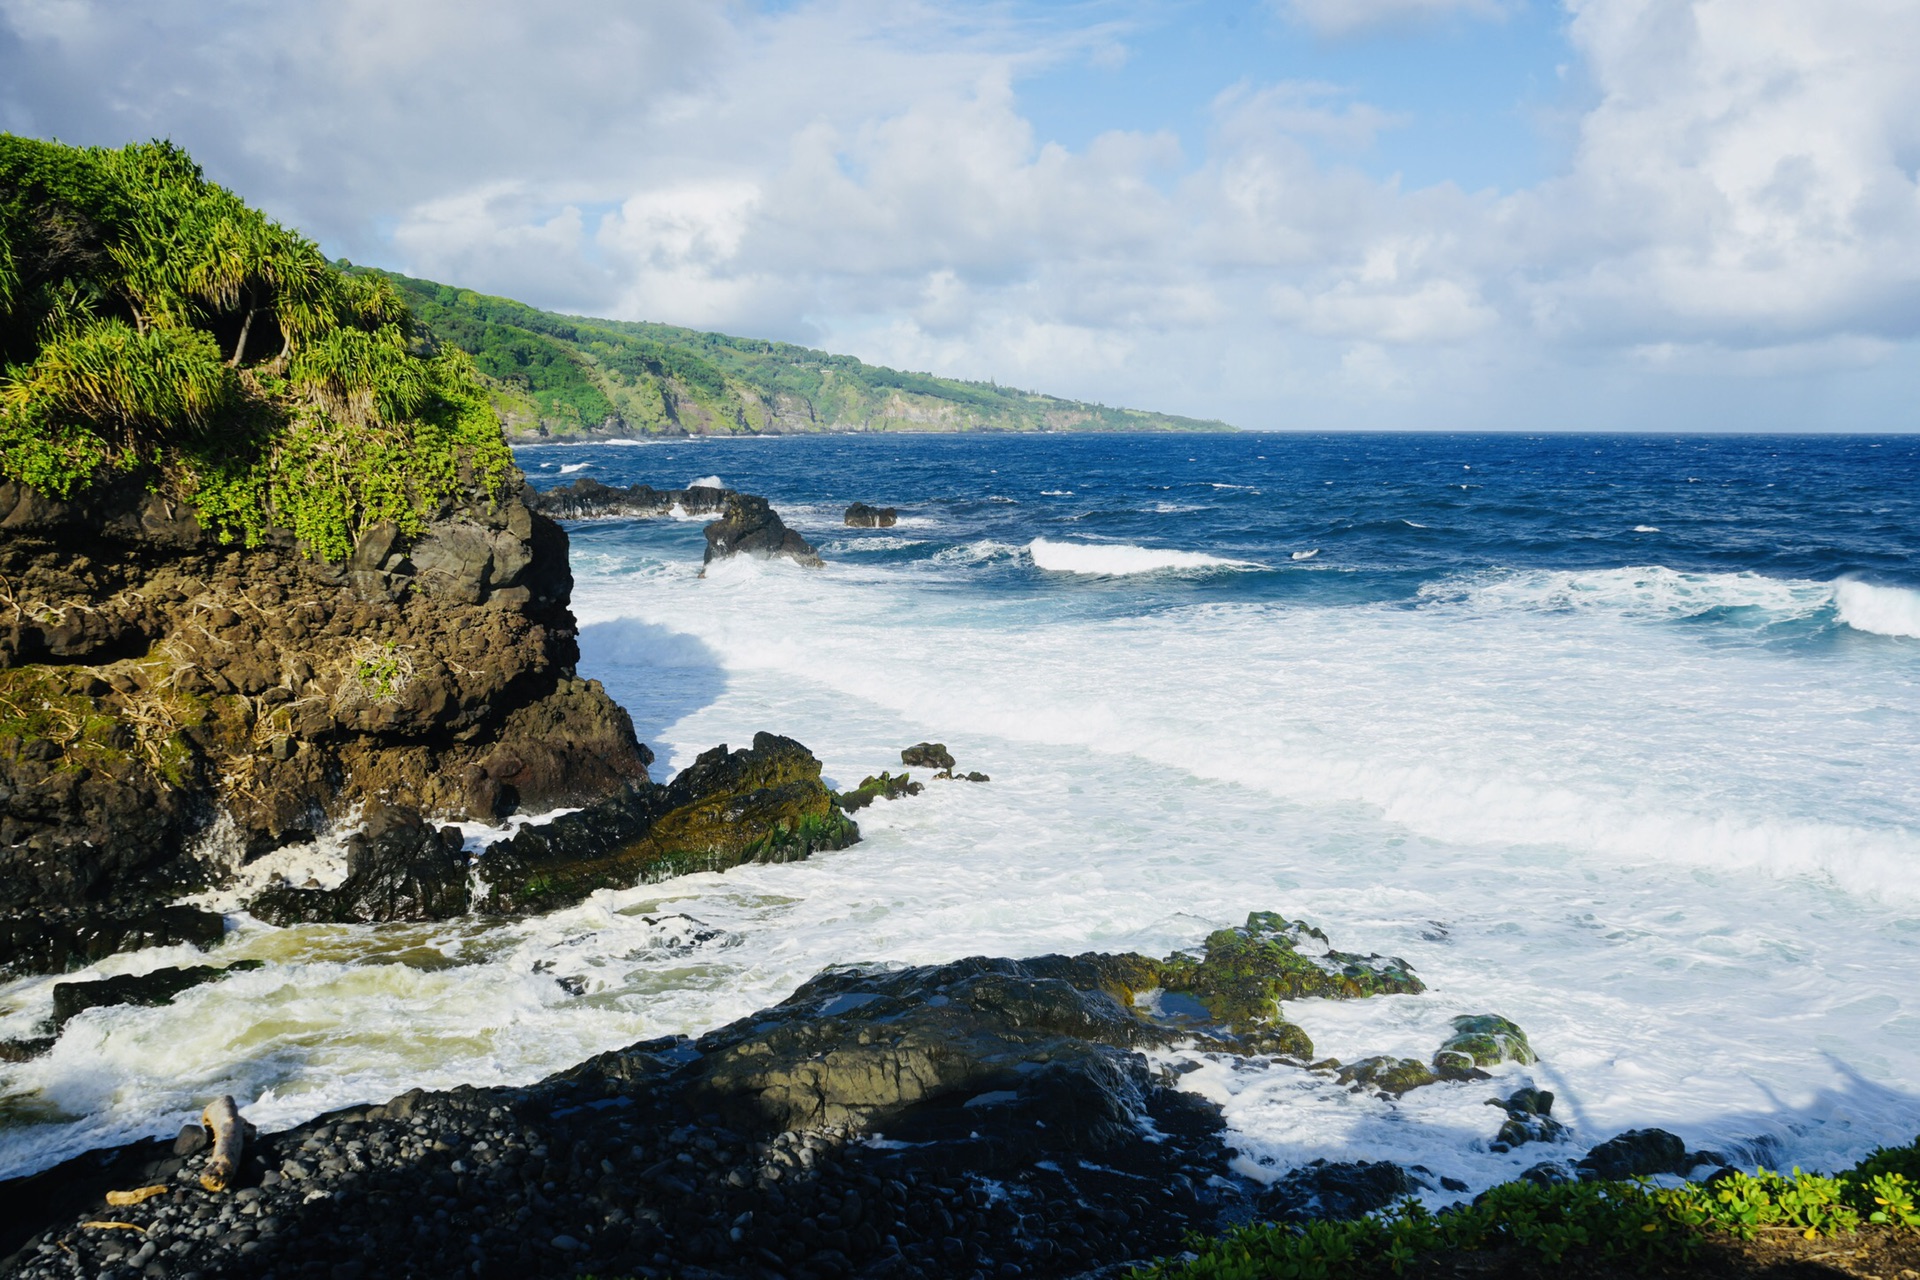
(266, 565)
(560, 376)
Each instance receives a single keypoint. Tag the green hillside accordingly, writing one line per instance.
(575, 377)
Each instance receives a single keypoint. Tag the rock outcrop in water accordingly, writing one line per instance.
(862, 516)
(765, 803)
(751, 527)
(981, 1117)
(589, 499)
(154, 681)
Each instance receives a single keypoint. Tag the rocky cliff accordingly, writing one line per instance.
(169, 702)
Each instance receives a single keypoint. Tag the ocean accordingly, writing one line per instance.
(1616, 736)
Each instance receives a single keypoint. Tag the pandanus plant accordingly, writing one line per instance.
(135, 303)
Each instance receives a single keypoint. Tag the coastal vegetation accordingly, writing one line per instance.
(1632, 1226)
(153, 325)
(572, 376)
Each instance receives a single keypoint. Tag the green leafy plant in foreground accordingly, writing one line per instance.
(151, 323)
(1632, 1224)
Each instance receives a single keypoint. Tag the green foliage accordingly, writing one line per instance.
(1628, 1223)
(151, 322)
(575, 372)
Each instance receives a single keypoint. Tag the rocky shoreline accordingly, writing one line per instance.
(986, 1117)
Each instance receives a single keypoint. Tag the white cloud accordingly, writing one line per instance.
(1740, 201)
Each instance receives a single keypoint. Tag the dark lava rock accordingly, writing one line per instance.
(62, 941)
(433, 669)
(71, 999)
(1528, 1119)
(752, 527)
(928, 755)
(885, 787)
(1636, 1153)
(398, 868)
(983, 1117)
(587, 499)
(762, 804)
(1344, 1190)
(862, 516)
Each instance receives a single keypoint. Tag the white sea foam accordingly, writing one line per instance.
(1056, 493)
(1305, 555)
(1886, 611)
(1657, 592)
(707, 482)
(572, 467)
(1646, 528)
(1681, 856)
(1120, 558)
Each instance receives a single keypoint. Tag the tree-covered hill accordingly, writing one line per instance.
(154, 326)
(573, 376)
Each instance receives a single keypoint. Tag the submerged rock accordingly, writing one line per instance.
(1634, 1154)
(752, 527)
(70, 999)
(1388, 1075)
(1346, 1189)
(927, 755)
(1528, 1120)
(862, 516)
(885, 787)
(762, 804)
(1482, 1040)
(398, 868)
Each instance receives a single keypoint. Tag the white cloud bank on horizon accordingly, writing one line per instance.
(1734, 238)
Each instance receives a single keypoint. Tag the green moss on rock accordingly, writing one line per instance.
(1482, 1040)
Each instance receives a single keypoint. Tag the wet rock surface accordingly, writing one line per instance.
(589, 499)
(398, 868)
(71, 999)
(862, 516)
(985, 1117)
(886, 786)
(1005, 1138)
(60, 941)
(154, 680)
(765, 803)
(751, 527)
(1344, 1189)
(1636, 1153)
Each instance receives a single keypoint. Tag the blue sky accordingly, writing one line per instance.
(1461, 214)
(1478, 103)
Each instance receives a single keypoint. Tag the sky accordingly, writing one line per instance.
(1660, 215)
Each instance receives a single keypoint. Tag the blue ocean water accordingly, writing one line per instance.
(1618, 737)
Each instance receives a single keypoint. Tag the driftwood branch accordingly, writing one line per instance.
(222, 1119)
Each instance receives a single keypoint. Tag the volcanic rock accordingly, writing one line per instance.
(70, 999)
(154, 679)
(398, 868)
(1635, 1153)
(587, 499)
(928, 755)
(862, 516)
(761, 804)
(752, 527)
(885, 787)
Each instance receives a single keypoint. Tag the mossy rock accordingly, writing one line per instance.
(887, 786)
(1482, 1040)
(1244, 973)
(1388, 1075)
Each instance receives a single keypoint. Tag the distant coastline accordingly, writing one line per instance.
(564, 378)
